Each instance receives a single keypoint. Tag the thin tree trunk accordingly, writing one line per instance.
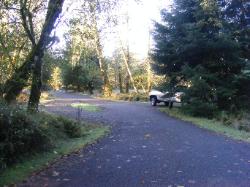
(149, 76)
(120, 80)
(149, 70)
(107, 89)
(126, 61)
(127, 84)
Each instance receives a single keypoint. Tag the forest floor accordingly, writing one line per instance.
(145, 148)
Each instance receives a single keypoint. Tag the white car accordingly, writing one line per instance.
(168, 98)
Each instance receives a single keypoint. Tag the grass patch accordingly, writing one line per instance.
(86, 106)
(213, 125)
(39, 161)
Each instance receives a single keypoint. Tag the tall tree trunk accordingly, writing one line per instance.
(127, 83)
(18, 81)
(129, 76)
(149, 76)
(107, 89)
(35, 92)
(148, 61)
(120, 80)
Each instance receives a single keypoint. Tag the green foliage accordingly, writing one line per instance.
(22, 133)
(72, 128)
(130, 97)
(39, 161)
(56, 79)
(81, 79)
(19, 134)
(195, 50)
(51, 71)
(236, 13)
(200, 109)
(80, 68)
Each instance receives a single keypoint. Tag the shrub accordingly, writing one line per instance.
(19, 135)
(23, 134)
(71, 128)
(130, 97)
(79, 78)
(198, 108)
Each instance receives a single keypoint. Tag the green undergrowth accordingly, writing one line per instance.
(128, 97)
(30, 142)
(39, 161)
(24, 97)
(86, 106)
(210, 124)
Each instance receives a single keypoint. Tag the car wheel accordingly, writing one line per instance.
(166, 103)
(153, 101)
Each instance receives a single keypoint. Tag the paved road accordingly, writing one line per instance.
(146, 148)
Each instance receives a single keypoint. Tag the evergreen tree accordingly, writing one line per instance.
(191, 36)
(237, 14)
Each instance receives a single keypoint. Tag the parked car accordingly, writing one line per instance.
(168, 98)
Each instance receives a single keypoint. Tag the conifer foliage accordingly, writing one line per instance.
(197, 49)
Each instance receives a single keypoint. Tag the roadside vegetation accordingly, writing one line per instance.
(143, 97)
(30, 141)
(236, 127)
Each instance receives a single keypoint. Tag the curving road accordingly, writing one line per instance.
(146, 148)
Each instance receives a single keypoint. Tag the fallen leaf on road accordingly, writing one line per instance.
(66, 179)
(55, 174)
(147, 136)
(191, 181)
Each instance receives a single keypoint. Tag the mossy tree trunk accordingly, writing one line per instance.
(18, 81)
(35, 92)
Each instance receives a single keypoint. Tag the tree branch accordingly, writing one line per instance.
(27, 24)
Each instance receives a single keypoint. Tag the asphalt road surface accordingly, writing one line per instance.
(146, 148)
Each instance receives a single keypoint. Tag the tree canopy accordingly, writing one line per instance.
(196, 49)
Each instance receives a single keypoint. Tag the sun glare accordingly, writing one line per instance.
(136, 33)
